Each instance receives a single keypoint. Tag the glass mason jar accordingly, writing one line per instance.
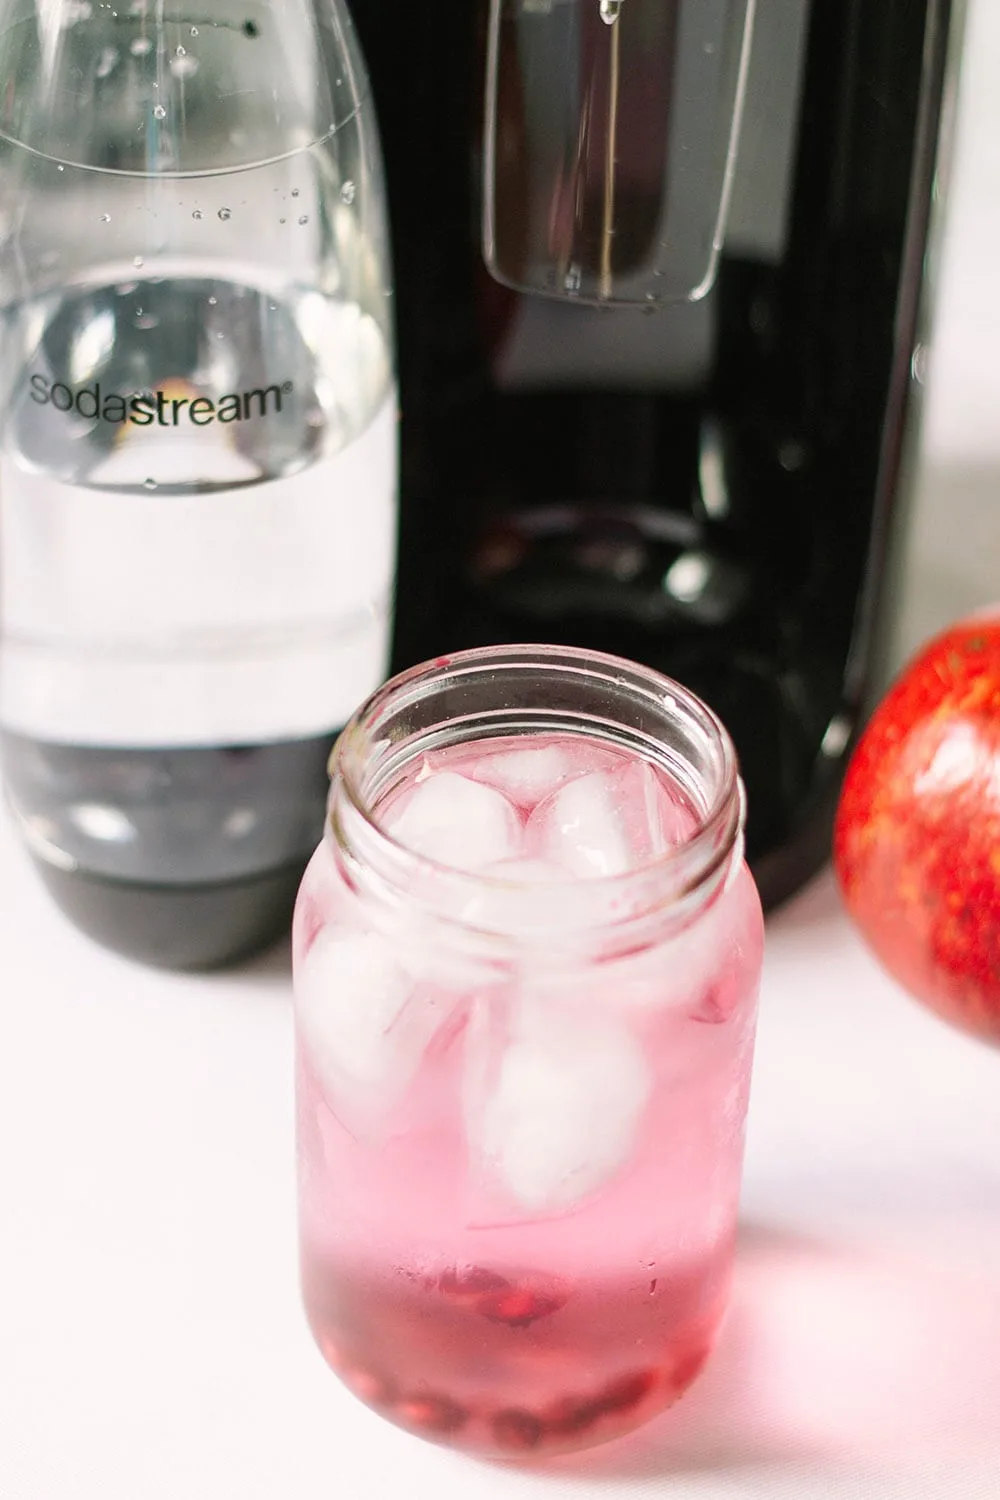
(527, 955)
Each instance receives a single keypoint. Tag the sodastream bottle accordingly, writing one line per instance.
(197, 454)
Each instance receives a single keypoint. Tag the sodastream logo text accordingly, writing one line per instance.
(161, 408)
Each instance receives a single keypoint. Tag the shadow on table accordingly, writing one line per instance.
(268, 974)
(831, 1355)
(274, 964)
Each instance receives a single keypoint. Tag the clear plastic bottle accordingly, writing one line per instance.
(198, 453)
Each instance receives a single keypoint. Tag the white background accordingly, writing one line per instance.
(151, 1346)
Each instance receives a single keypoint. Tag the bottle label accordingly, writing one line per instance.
(160, 408)
(236, 616)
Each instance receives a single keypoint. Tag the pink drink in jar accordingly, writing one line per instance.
(526, 964)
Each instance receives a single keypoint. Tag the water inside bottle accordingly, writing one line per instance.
(197, 462)
(104, 645)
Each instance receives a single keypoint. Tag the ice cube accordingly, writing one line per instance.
(525, 775)
(456, 822)
(556, 1118)
(523, 896)
(608, 822)
(579, 828)
(360, 1024)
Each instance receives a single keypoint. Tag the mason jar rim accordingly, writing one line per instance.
(682, 876)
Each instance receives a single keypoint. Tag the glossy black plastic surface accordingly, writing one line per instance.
(558, 514)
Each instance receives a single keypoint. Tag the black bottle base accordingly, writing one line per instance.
(188, 928)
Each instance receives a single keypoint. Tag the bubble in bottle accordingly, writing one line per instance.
(194, 31)
(138, 261)
(610, 11)
(212, 301)
(160, 112)
(347, 192)
(105, 218)
(225, 213)
(196, 213)
(303, 218)
(149, 484)
(295, 192)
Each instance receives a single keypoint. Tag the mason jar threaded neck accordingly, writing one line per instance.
(525, 690)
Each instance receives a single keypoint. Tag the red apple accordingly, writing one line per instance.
(917, 837)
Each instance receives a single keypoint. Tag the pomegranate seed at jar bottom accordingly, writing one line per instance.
(517, 1430)
(431, 1413)
(575, 1415)
(470, 1283)
(623, 1394)
(498, 1299)
(520, 1306)
(369, 1386)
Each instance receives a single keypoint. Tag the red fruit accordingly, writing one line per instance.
(917, 838)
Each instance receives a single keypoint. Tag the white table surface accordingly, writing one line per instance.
(151, 1344)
